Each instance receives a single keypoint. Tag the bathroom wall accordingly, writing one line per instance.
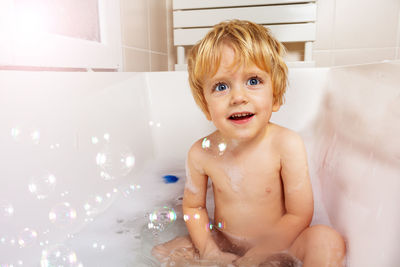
(352, 32)
(348, 32)
(357, 31)
(144, 35)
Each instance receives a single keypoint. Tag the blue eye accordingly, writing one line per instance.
(221, 87)
(253, 81)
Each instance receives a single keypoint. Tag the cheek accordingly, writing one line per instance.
(214, 108)
(264, 102)
(214, 114)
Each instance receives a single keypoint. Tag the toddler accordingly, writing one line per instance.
(262, 190)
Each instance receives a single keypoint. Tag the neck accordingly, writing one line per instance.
(237, 145)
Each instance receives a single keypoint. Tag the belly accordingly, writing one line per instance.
(249, 220)
(250, 212)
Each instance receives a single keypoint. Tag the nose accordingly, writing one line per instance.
(238, 96)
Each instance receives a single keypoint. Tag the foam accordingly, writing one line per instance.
(122, 229)
(235, 175)
(189, 182)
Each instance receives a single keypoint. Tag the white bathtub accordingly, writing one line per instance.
(58, 131)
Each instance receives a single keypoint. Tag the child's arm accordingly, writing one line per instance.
(194, 208)
(297, 194)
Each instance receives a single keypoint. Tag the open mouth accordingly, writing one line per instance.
(243, 116)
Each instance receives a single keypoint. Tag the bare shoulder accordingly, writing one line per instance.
(200, 149)
(195, 152)
(286, 140)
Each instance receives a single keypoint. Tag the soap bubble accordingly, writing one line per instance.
(95, 140)
(217, 225)
(7, 239)
(206, 143)
(62, 214)
(27, 237)
(221, 145)
(106, 137)
(130, 189)
(15, 133)
(161, 218)
(6, 210)
(12, 264)
(96, 204)
(221, 148)
(35, 137)
(42, 185)
(220, 225)
(55, 146)
(114, 162)
(59, 256)
(98, 246)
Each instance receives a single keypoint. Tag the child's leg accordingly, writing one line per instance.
(176, 249)
(181, 251)
(319, 246)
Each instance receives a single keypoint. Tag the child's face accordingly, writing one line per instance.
(239, 98)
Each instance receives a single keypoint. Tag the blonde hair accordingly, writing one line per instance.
(252, 43)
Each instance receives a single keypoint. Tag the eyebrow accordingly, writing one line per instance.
(215, 79)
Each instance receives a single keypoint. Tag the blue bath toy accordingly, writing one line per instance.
(169, 179)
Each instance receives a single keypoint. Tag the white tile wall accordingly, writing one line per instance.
(366, 24)
(323, 58)
(325, 22)
(158, 29)
(361, 56)
(158, 62)
(135, 26)
(144, 35)
(398, 38)
(136, 60)
(357, 32)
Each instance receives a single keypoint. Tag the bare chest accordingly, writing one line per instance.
(248, 178)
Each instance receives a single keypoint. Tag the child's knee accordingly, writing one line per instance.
(330, 237)
(328, 241)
